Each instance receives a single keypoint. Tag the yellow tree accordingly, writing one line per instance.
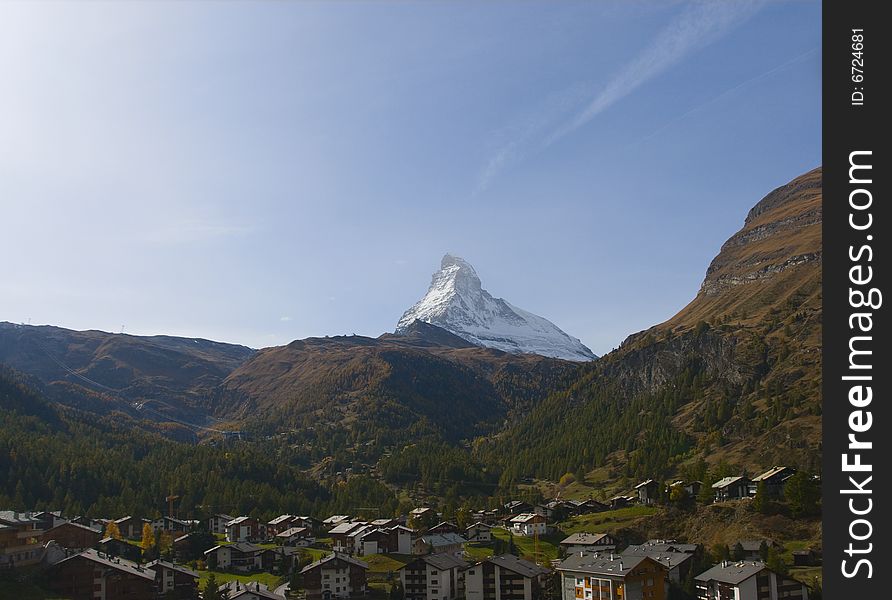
(112, 531)
(148, 539)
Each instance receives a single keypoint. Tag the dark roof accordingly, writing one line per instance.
(71, 524)
(173, 567)
(584, 539)
(12, 517)
(667, 558)
(600, 564)
(333, 556)
(442, 539)
(754, 545)
(518, 565)
(119, 564)
(442, 561)
(732, 573)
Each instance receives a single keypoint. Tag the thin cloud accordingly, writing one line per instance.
(284, 319)
(698, 26)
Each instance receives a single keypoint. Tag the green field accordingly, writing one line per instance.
(270, 580)
(385, 563)
(526, 546)
(608, 521)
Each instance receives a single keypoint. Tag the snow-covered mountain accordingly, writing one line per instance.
(457, 302)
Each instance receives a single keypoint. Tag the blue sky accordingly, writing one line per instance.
(260, 172)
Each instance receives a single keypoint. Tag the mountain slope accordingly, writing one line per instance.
(457, 302)
(733, 377)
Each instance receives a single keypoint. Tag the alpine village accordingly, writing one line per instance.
(434, 463)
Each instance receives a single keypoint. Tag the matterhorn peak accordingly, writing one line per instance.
(457, 302)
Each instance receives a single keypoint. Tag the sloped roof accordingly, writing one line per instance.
(771, 473)
(442, 561)
(599, 564)
(518, 565)
(584, 539)
(333, 556)
(442, 539)
(726, 481)
(173, 567)
(732, 572)
(119, 564)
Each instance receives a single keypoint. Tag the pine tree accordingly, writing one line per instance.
(211, 589)
(760, 501)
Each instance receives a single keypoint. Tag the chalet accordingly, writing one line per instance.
(333, 521)
(433, 577)
(171, 525)
(731, 488)
(335, 576)
(647, 491)
(423, 517)
(805, 558)
(660, 545)
(588, 542)
(478, 532)
(183, 547)
(620, 502)
(371, 540)
(612, 577)
(774, 480)
(747, 580)
(385, 523)
(585, 507)
(217, 523)
(439, 543)
(678, 564)
(19, 539)
(131, 527)
(422, 511)
(752, 549)
(118, 548)
(243, 529)
(72, 536)
(89, 522)
(528, 524)
(343, 536)
(295, 536)
(443, 527)
(175, 581)
(252, 590)
(240, 556)
(505, 577)
(516, 507)
(314, 525)
(400, 539)
(693, 487)
(47, 519)
(94, 574)
(279, 524)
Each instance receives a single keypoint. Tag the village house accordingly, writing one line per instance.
(242, 556)
(131, 527)
(677, 564)
(47, 519)
(335, 576)
(93, 574)
(295, 536)
(343, 536)
(243, 529)
(19, 539)
(660, 545)
(443, 527)
(585, 507)
(433, 577)
(90, 522)
(620, 502)
(752, 549)
(400, 539)
(333, 521)
(119, 548)
(279, 524)
(516, 507)
(422, 517)
(175, 527)
(731, 488)
(217, 523)
(439, 543)
(774, 479)
(372, 541)
(385, 523)
(505, 577)
(314, 525)
(529, 524)
(805, 558)
(478, 532)
(612, 577)
(747, 580)
(648, 491)
(588, 542)
(251, 590)
(176, 581)
(72, 536)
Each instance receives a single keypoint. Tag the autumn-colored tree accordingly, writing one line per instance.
(148, 539)
(112, 531)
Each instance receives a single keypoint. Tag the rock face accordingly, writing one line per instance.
(457, 302)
